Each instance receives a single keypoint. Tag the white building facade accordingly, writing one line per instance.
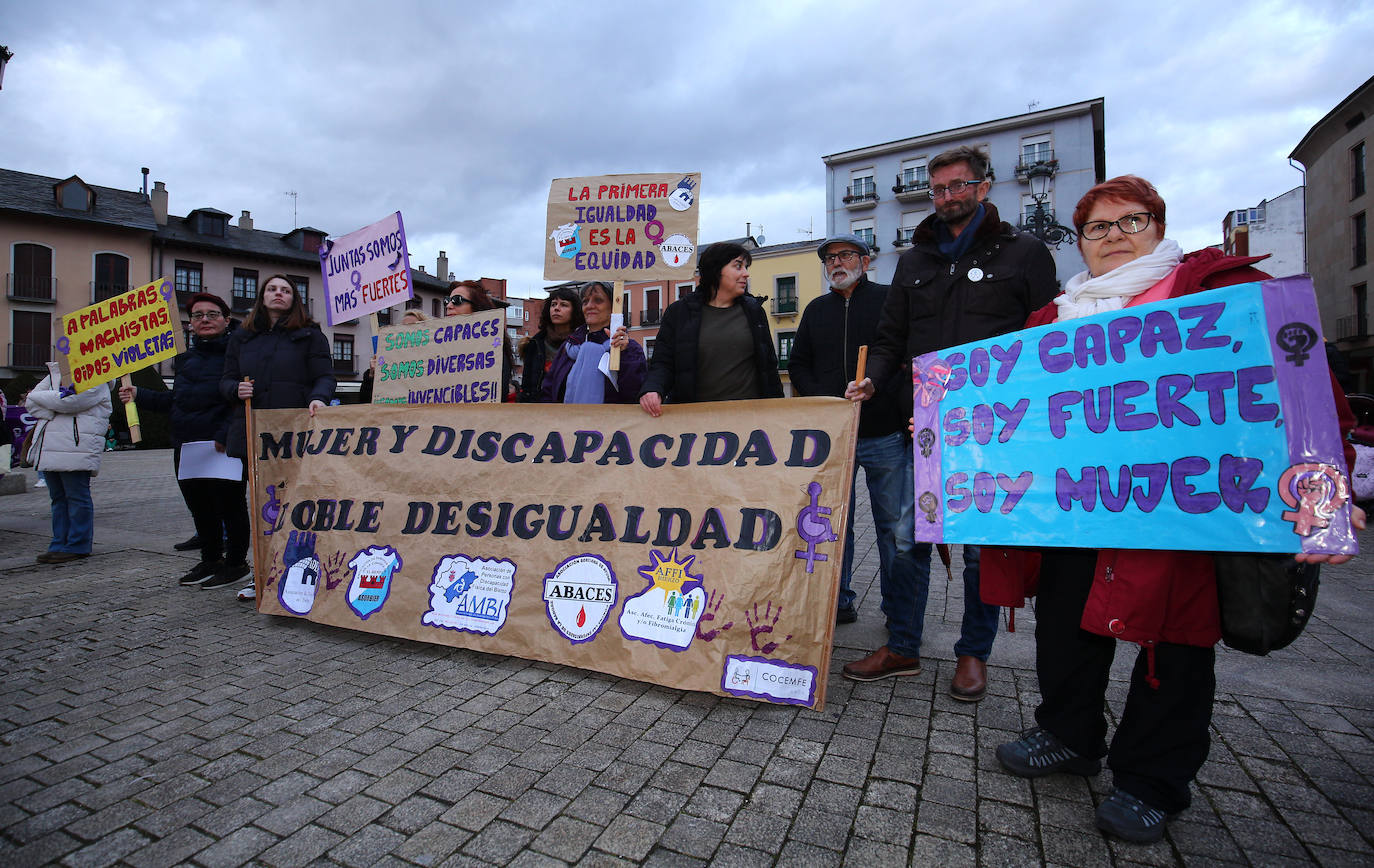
(1273, 227)
(882, 192)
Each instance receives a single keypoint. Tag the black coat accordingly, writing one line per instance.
(935, 303)
(825, 354)
(199, 411)
(673, 369)
(288, 368)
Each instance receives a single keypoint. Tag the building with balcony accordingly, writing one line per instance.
(1274, 227)
(1334, 155)
(1066, 142)
(69, 244)
(788, 276)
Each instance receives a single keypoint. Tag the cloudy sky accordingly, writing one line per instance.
(459, 114)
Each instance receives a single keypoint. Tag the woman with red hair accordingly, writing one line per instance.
(1084, 596)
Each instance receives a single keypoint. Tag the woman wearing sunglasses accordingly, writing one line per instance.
(1087, 600)
(470, 296)
(200, 413)
(575, 376)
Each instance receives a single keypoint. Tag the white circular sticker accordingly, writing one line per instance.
(975, 274)
(677, 250)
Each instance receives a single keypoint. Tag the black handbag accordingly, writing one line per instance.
(1265, 600)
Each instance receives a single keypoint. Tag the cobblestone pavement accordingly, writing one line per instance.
(146, 724)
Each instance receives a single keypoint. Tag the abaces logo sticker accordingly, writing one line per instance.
(578, 595)
(373, 568)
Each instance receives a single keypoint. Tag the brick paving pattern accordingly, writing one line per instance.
(151, 725)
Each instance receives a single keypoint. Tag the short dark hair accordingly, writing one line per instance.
(976, 158)
(712, 262)
(567, 294)
(295, 318)
(213, 299)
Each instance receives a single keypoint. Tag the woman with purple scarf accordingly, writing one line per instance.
(577, 376)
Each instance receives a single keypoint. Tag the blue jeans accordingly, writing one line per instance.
(979, 626)
(73, 514)
(904, 566)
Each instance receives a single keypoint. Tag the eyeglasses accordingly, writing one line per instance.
(1096, 230)
(456, 300)
(955, 188)
(208, 314)
(845, 256)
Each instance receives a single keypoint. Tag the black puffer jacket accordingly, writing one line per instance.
(199, 411)
(288, 368)
(673, 368)
(825, 355)
(934, 303)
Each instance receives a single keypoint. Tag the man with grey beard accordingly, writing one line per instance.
(824, 358)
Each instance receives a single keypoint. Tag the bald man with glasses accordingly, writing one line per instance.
(968, 276)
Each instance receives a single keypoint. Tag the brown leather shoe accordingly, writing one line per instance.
(883, 663)
(970, 680)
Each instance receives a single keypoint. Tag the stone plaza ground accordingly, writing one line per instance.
(146, 724)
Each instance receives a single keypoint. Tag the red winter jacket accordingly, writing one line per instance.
(1144, 596)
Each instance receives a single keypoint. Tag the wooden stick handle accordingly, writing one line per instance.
(131, 415)
(254, 508)
(863, 363)
(617, 306)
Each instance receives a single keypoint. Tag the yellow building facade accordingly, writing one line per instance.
(789, 276)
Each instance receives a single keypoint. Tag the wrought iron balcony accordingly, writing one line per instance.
(785, 305)
(344, 366)
(904, 237)
(23, 287)
(101, 290)
(651, 317)
(911, 190)
(1028, 162)
(30, 356)
(1352, 326)
(861, 196)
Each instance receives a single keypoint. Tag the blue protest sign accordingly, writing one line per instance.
(1204, 422)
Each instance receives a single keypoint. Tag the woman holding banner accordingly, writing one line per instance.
(65, 445)
(1088, 599)
(714, 345)
(201, 415)
(470, 296)
(560, 317)
(575, 377)
(279, 358)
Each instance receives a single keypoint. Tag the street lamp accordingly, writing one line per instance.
(5, 55)
(1041, 223)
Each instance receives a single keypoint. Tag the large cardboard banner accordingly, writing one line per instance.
(120, 335)
(700, 550)
(1199, 423)
(366, 271)
(455, 360)
(623, 227)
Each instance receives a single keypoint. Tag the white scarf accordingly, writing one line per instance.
(1085, 295)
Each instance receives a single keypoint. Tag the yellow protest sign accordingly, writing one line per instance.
(120, 335)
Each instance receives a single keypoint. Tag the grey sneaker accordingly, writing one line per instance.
(1128, 818)
(1038, 753)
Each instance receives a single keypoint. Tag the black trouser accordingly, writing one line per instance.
(1163, 737)
(220, 511)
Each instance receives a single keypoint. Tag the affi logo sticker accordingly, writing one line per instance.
(373, 568)
(666, 613)
(296, 590)
(676, 250)
(565, 240)
(471, 594)
(579, 595)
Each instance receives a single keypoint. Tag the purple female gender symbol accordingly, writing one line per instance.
(166, 290)
(651, 227)
(64, 345)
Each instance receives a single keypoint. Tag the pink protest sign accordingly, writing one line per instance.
(366, 271)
